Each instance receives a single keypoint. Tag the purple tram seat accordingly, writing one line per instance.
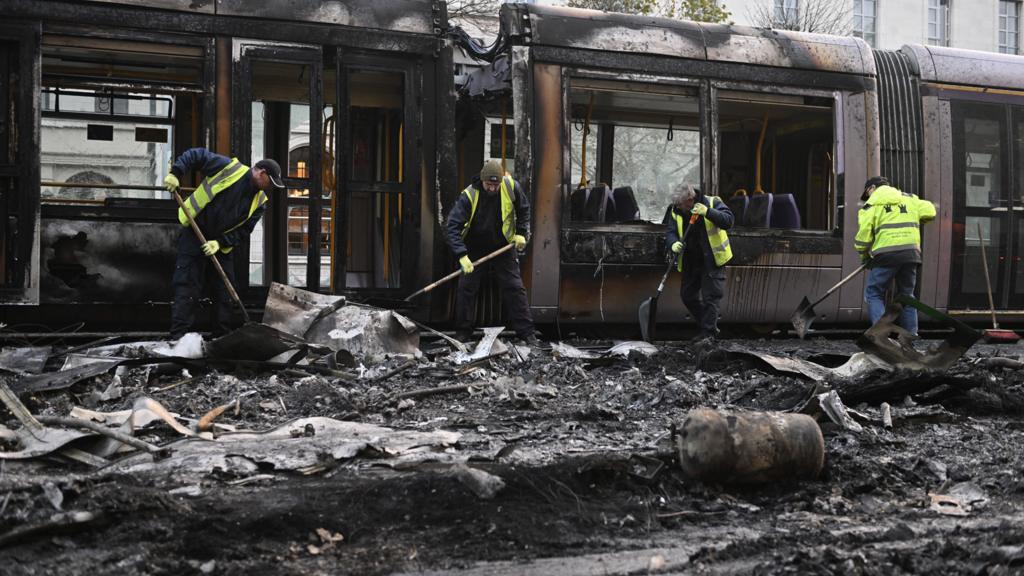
(759, 211)
(785, 213)
(738, 205)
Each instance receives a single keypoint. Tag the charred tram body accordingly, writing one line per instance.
(598, 115)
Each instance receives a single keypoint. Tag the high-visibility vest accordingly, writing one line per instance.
(890, 221)
(717, 237)
(213, 185)
(508, 212)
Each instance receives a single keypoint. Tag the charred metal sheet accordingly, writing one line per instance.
(361, 330)
(413, 16)
(199, 6)
(253, 341)
(102, 261)
(607, 32)
(969, 67)
(30, 359)
(63, 379)
(100, 16)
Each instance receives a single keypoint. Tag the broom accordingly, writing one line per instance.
(993, 334)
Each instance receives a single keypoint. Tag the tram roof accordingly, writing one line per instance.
(579, 28)
(967, 67)
(412, 16)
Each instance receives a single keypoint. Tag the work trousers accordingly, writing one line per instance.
(701, 291)
(878, 282)
(193, 272)
(513, 294)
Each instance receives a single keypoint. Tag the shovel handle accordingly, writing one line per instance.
(672, 259)
(839, 284)
(213, 257)
(458, 273)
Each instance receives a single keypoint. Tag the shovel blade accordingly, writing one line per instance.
(648, 313)
(802, 317)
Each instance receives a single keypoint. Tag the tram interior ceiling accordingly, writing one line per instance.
(114, 113)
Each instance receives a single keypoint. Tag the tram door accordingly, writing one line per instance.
(337, 123)
(988, 188)
(279, 114)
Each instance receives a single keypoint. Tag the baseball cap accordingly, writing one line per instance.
(875, 181)
(273, 170)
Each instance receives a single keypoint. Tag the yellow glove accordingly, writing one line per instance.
(699, 209)
(467, 264)
(171, 182)
(210, 248)
(519, 241)
(677, 247)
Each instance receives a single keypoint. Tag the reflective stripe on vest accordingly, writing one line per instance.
(258, 200)
(508, 213)
(210, 187)
(717, 238)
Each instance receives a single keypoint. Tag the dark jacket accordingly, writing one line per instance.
(698, 248)
(229, 207)
(484, 234)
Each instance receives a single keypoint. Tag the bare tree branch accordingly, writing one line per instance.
(819, 16)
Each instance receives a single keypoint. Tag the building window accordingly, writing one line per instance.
(786, 12)
(864, 20)
(938, 22)
(1009, 18)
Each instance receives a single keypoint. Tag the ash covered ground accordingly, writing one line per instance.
(527, 466)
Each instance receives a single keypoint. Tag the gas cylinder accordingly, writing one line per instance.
(749, 447)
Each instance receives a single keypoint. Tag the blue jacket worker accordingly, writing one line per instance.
(226, 205)
(490, 213)
(705, 253)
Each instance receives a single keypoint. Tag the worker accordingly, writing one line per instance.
(889, 243)
(226, 206)
(702, 255)
(491, 212)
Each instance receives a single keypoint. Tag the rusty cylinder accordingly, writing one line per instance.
(749, 447)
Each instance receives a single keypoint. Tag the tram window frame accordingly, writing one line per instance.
(105, 117)
(814, 215)
(602, 141)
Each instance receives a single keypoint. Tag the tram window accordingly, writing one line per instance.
(793, 185)
(376, 111)
(635, 142)
(137, 126)
(97, 145)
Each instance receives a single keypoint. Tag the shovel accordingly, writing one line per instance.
(804, 314)
(648, 310)
(458, 273)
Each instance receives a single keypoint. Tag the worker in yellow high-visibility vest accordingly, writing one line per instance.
(493, 211)
(702, 255)
(226, 206)
(889, 242)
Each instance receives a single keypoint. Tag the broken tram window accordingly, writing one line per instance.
(775, 160)
(635, 142)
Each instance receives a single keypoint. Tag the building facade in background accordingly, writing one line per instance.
(989, 25)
